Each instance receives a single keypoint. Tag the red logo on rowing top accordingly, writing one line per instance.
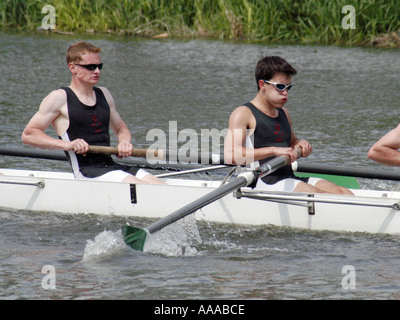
(96, 124)
(278, 133)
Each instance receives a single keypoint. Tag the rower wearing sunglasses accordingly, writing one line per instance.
(81, 115)
(261, 130)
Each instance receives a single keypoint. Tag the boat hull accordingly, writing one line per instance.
(40, 191)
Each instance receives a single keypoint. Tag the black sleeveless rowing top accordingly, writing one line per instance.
(272, 132)
(90, 123)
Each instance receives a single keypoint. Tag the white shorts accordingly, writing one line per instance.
(287, 185)
(116, 176)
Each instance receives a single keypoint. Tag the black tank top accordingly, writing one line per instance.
(90, 123)
(272, 132)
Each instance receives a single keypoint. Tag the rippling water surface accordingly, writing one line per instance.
(342, 101)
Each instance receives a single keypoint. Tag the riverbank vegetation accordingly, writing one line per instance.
(283, 21)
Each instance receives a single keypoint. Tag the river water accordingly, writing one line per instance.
(342, 101)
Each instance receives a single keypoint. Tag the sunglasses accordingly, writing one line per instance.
(280, 86)
(90, 67)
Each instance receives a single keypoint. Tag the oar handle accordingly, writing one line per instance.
(103, 150)
(141, 153)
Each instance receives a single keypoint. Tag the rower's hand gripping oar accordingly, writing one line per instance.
(136, 237)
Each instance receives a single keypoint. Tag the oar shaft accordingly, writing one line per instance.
(60, 155)
(243, 180)
(301, 167)
(135, 237)
(206, 158)
(276, 163)
(171, 174)
(33, 153)
(222, 191)
(350, 172)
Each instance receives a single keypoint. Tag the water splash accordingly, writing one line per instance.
(178, 239)
(104, 245)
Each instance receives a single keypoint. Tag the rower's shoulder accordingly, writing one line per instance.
(105, 91)
(55, 99)
(286, 112)
(242, 117)
(108, 96)
(58, 94)
(241, 112)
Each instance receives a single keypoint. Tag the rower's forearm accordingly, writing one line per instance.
(385, 155)
(241, 156)
(124, 136)
(43, 141)
(294, 143)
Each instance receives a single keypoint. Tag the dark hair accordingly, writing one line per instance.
(269, 66)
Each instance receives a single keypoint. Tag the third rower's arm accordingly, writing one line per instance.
(386, 149)
(51, 112)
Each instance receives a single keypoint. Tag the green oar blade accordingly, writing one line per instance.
(134, 237)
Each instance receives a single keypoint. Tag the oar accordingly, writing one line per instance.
(136, 237)
(202, 158)
(301, 167)
(349, 172)
(60, 155)
(33, 153)
(197, 170)
(141, 153)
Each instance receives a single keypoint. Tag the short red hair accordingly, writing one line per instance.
(78, 49)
